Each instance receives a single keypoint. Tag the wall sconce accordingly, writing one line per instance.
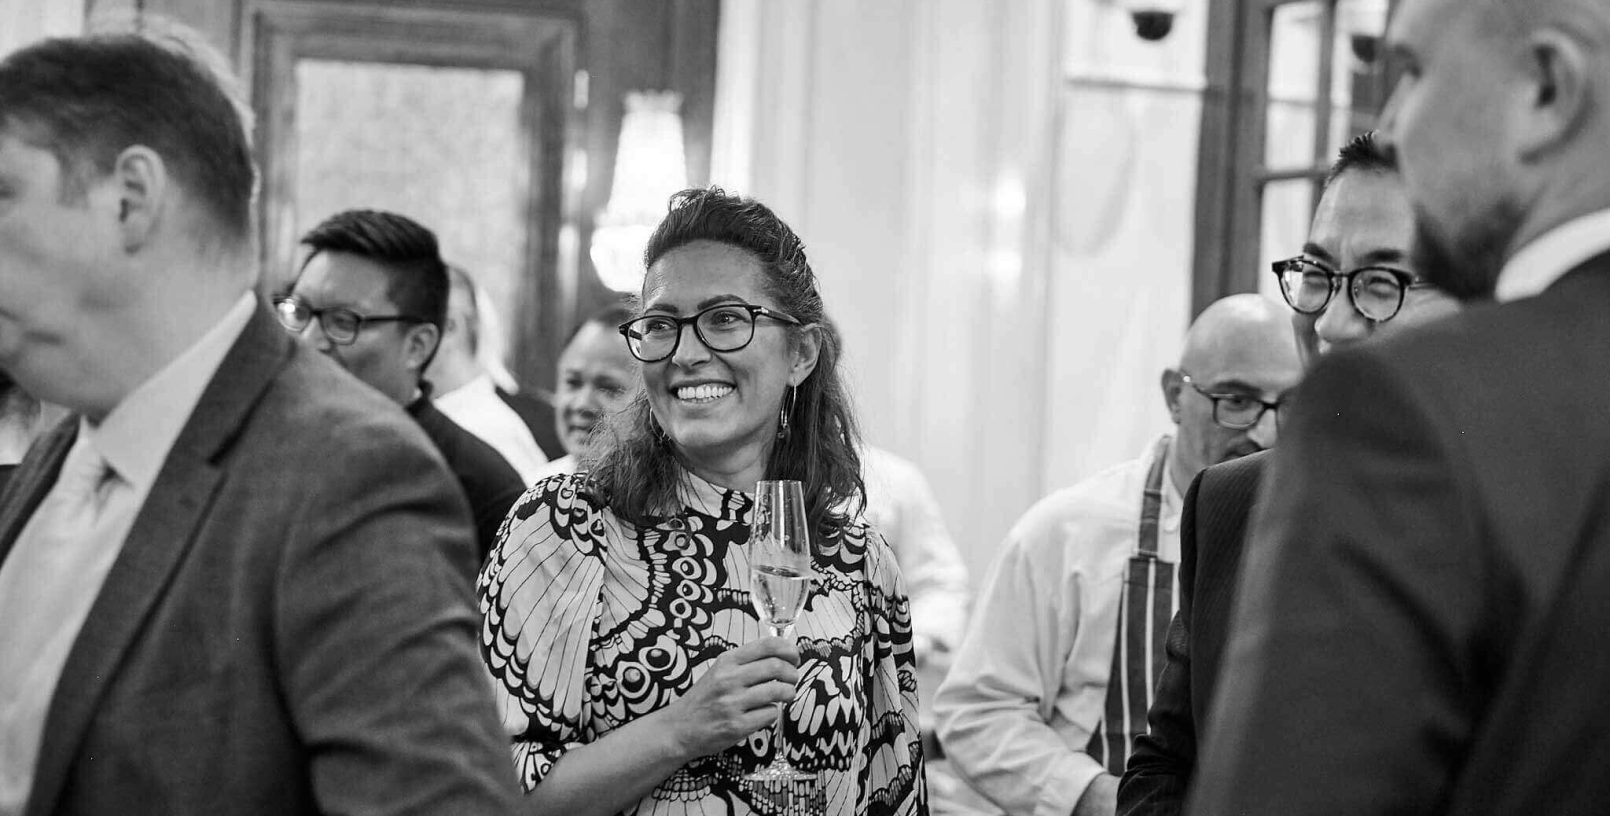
(650, 165)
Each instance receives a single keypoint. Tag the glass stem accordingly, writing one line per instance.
(779, 754)
(781, 757)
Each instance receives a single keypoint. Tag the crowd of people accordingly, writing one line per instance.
(309, 551)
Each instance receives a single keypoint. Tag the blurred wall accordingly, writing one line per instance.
(23, 21)
(998, 198)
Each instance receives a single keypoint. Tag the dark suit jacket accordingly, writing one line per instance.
(287, 629)
(1424, 622)
(536, 411)
(489, 482)
(1212, 528)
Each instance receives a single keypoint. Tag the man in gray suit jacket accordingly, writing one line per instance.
(231, 583)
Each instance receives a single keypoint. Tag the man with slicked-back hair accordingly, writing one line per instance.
(372, 296)
(1422, 627)
(227, 581)
(1363, 227)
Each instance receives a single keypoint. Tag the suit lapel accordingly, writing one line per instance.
(32, 481)
(163, 532)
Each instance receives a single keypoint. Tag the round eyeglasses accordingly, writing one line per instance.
(340, 325)
(1237, 412)
(727, 327)
(1377, 292)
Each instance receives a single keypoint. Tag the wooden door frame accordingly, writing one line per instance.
(541, 41)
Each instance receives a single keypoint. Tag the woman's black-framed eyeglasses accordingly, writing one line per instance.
(1377, 292)
(724, 327)
(1237, 412)
(340, 325)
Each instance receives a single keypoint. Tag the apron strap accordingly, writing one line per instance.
(1145, 607)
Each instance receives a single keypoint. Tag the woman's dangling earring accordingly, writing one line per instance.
(788, 408)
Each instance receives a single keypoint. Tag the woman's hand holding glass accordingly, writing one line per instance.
(780, 583)
(736, 697)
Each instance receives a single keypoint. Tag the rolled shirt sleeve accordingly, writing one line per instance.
(1028, 684)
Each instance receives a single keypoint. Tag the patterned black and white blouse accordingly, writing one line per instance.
(591, 622)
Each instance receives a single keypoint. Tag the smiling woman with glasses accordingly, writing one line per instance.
(635, 676)
(728, 327)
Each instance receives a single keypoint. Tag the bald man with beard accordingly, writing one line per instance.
(1051, 683)
(1423, 618)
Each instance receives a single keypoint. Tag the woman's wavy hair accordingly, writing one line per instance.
(637, 471)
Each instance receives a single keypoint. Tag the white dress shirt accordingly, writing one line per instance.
(1029, 683)
(1554, 253)
(48, 583)
(476, 407)
(902, 507)
(563, 466)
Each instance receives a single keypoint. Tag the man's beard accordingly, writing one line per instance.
(1468, 266)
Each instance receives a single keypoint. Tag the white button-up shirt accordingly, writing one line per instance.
(476, 407)
(901, 506)
(1029, 683)
(1554, 253)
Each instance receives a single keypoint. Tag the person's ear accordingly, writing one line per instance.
(1559, 92)
(419, 344)
(807, 349)
(1172, 385)
(141, 187)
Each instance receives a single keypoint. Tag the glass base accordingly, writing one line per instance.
(781, 796)
(779, 771)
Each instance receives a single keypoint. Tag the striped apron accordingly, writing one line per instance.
(1146, 605)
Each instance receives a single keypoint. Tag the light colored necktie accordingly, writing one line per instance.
(41, 602)
(75, 503)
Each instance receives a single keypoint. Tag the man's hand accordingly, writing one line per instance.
(1100, 798)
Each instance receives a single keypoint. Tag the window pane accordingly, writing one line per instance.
(1287, 209)
(1294, 59)
(1358, 85)
(443, 146)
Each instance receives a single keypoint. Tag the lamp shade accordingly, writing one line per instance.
(650, 165)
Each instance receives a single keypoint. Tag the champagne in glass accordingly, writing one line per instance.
(780, 581)
(779, 592)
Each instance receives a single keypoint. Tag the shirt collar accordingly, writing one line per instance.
(708, 499)
(137, 435)
(477, 390)
(1173, 503)
(1545, 260)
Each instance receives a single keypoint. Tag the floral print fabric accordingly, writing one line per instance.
(591, 622)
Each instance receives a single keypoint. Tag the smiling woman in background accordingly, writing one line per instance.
(597, 377)
(633, 673)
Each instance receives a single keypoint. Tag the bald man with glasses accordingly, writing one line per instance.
(1050, 684)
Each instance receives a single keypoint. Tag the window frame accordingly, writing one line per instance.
(1231, 172)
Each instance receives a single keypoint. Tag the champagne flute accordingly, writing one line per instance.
(780, 573)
